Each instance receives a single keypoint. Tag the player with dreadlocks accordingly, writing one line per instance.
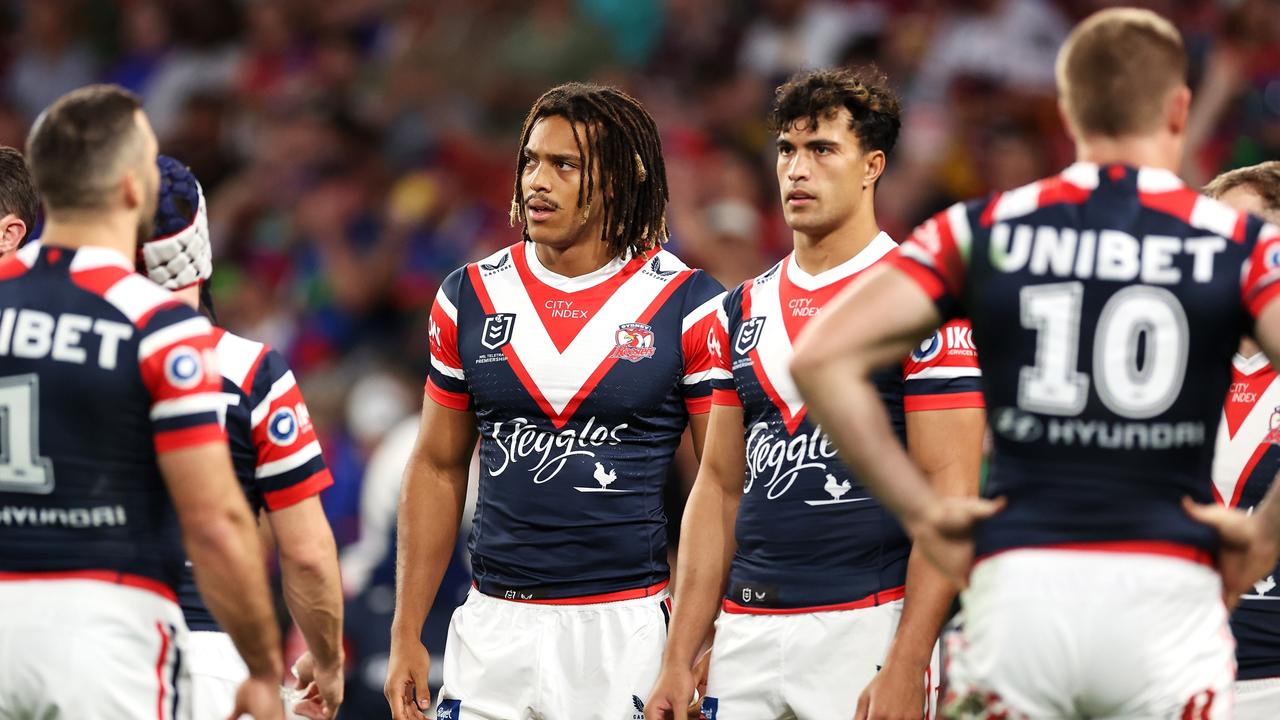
(577, 356)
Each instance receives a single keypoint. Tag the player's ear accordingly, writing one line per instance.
(1177, 109)
(874, 167)
(132, 189)
(12, 230)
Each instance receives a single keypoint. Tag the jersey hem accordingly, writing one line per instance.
(108, 576)
(952, 401)
(609, 597)
(294, 494)
(1159, 548)
(451, 400)
(882, 597)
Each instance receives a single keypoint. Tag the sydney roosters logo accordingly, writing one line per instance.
(520, 440)
(634, 342)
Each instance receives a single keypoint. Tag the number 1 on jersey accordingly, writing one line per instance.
(22, 469)
(1139, 351)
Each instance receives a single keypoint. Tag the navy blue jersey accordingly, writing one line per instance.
(1244, 465)
(809, 535)
(273, 444)
(1106, 304)
(581, 388)
(100, 370)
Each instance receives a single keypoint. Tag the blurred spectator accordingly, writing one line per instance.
(52, 59)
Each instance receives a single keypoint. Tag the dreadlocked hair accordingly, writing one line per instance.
(622, 144)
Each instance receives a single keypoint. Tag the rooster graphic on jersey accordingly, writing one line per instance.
(581, 388)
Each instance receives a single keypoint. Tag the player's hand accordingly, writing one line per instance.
(672, 697)
(406, 689)
(1245, 553)
(895, 693)
(701, 668)
(945, 534)
(322, 688)
(258, 698)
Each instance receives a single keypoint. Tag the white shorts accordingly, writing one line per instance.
(90, 650)
(1066, 634)
(217, 670)
(807, 666)
(1258, 699)
(508, 660)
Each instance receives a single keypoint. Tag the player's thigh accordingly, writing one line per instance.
(746, 671)
(217, 670)
(490, 661)
(831, 657)
(1258, 699)
(603, 659)
(1014, 650)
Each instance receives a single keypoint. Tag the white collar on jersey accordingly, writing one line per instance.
(87, 257)
(572, 284)
(1250, 365)
(1153, 180)
(879, 246)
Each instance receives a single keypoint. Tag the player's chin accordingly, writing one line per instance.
(547, 233)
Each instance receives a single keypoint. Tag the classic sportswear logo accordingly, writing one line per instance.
(449, 710)
(495, 267)
(657, 269)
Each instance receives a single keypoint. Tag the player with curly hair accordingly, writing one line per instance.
(827, 612)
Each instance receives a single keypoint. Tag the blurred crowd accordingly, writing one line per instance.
(355, 152)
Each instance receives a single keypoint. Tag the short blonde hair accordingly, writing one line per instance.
(1116, 69)
(1263, 179)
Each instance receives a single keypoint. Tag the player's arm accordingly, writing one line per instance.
(707, 545)
(221, 539)
(432, 497)
(873, 324)
(313, 589)
(947, 447)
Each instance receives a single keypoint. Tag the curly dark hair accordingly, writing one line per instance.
(622, 143)
(864, 92)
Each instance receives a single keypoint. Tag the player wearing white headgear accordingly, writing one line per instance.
(277, 460)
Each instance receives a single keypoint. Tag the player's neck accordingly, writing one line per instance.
(1248, 348)
(114, 231)
(816, 254)
(1154, 151)
(573, 260)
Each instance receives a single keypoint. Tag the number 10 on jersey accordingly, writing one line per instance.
(1139, 351)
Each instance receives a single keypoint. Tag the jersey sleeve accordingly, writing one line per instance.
(446, 380)
(1260, 281)
(289, 467)
(943, 373)
(179, 366)
(702, 366)
(724, 390)
(935, 258)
